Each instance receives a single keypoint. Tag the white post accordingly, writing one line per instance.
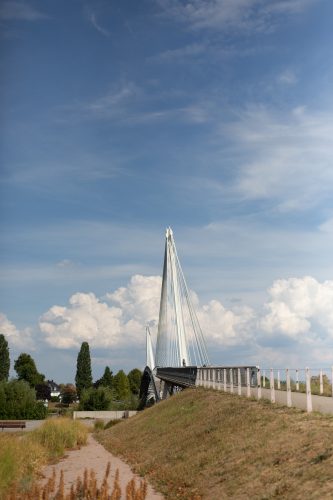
(264, 378)
(289, 403)
(271, 383)
(239, 383)
(212, 378)
(220, 379)
(321, 390)
(297, 380)
(278, 380)
(308, 391)
(225, 379)
(259, 383)
(231, 380)
(248, 386)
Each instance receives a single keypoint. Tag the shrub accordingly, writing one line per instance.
(96, 399)
(18, 401)
(58, 434)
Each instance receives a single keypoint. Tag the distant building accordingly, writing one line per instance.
(55, 388)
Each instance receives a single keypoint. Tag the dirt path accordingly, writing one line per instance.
(94, 456)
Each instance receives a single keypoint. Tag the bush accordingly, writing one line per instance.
(18, 401)
(58, 434)
(96, 399)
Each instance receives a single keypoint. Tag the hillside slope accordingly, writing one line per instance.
(207, 444)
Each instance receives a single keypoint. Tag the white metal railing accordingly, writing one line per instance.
(290, 386)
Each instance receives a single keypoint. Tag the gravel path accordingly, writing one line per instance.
(94, 456)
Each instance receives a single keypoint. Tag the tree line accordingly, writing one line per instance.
(111, 391)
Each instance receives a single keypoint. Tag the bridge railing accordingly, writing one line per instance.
(303, 387)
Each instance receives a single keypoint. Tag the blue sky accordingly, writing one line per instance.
(121, 118)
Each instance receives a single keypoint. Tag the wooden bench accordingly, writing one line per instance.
(12, 424)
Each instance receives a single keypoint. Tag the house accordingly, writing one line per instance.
(55, 389)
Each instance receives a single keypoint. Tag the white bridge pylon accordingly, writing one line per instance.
(180, 341)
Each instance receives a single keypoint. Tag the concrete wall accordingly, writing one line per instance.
(105, 415)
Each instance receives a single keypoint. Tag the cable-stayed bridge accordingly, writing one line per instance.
(181, 360)
(181, 349)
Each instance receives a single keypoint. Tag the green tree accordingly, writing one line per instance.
(83, 378)
(134, 378)
(4, 358)
(121, 386)
(18, 401)
(96, 399)
(26, 370)
(107, 379)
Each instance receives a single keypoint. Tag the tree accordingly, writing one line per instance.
(43, 392)
(121, 386)
(83, 378)
(68, 394)
(4, 358)
(96, 399)
(134, 378)
(106, 380)
(26, 370)
(18, 401)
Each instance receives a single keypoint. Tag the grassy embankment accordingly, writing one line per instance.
(206, 444)
(23, 454)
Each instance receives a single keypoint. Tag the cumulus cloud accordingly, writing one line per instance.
(223, 326)
(300, 308)
(298, 313)
(15, 337)
(119, 320)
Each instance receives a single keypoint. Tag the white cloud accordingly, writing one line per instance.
(97, 26)
(140, 300)
(226, 327)
(299, 313)
(300, 308)
(287, 77)
(288, 160)
(181, 54)
(254, 15)
(19, 11)
(122, 324)
(16, 338)
(88, 318)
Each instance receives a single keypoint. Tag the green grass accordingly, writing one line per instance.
(207, 444)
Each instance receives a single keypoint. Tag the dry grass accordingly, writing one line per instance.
(23, 454)
(85, 488)
(57, 435)
(207, 444)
